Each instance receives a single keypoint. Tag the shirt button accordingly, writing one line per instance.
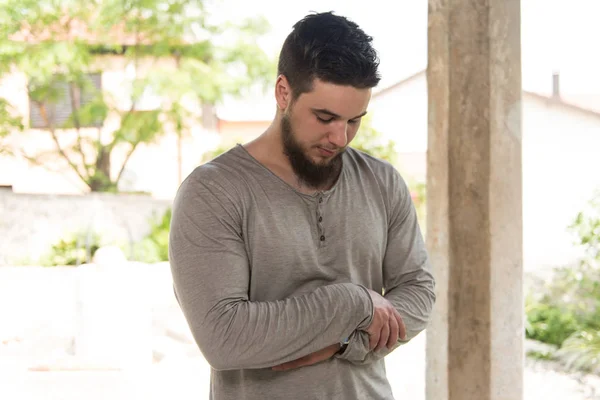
(320, 199)
(322, 238)
(320, 219)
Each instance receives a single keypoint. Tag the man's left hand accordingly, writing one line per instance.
(310, 359)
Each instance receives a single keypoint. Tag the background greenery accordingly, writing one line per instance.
(56, 44)
(565, 310)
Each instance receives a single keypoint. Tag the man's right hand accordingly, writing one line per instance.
(387, 325)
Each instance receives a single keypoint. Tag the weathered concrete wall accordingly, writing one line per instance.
(31, 223)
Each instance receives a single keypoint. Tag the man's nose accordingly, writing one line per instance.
(339, 134)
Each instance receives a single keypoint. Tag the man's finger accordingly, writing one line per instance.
(401, 326)
(374, 339)
(383, 338)
(310, 359)
(301, 362)
(394, 331)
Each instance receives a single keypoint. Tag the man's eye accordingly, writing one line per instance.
(324, 121)
(353, 121)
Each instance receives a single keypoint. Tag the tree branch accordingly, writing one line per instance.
(127, 115)
(52, 130)
(129, 153)
(77, 123)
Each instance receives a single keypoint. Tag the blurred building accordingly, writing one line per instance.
(561, 149)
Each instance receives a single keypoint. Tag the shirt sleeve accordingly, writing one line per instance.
(408, 282)
(211, 273)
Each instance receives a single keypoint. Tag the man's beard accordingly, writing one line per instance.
(309, 173)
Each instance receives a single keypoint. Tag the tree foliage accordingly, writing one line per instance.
(566, 310)
(170, 51)
(372, 142)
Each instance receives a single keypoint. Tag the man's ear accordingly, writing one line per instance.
(283, 93)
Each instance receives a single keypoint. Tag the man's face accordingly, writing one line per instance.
(318, 126)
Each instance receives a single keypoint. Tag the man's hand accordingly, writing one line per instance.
(386, 326)
(310, 359)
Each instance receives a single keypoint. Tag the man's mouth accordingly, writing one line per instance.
(326, 152)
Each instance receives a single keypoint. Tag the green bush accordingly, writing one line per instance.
(155, 246)
(581, 351)
(568, 304)
(548, 323)
(566, 312)
(72, 250)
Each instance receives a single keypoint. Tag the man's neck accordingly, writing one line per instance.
(268, 150)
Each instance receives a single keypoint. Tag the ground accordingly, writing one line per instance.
(184, 375)
(38, 360)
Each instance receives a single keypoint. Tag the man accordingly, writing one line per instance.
(281, 249)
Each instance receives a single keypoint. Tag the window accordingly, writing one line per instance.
(56, 113)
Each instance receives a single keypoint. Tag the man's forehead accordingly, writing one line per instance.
(336, 100)
(333, 114)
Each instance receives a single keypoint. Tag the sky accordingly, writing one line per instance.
(399, 31)
(556, 36)
(561, 35)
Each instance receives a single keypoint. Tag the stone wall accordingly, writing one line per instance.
(31, 223)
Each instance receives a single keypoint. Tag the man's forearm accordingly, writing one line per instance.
(241, 334)
(413, 302)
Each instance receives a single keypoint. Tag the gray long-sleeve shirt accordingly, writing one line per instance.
(265, 275)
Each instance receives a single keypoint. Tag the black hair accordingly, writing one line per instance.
(330, 48)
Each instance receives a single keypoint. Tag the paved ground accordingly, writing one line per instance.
(37, 321)
(186, 378)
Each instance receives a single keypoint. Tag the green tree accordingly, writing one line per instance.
(587, 227)
(372, 142)
(172, 49)
(566, 310)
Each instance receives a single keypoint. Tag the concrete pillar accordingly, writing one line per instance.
(474, 211)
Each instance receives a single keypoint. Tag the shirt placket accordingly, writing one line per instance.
(320, 228)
